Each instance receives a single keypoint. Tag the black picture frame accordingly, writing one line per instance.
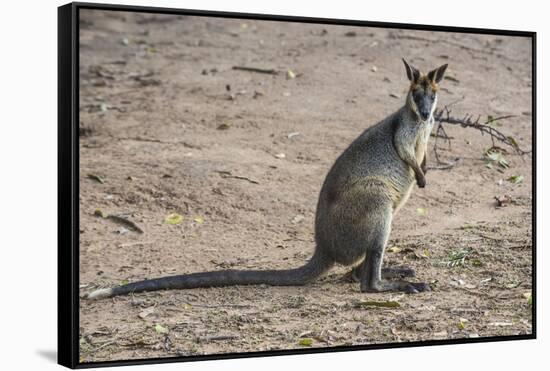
(68, 181)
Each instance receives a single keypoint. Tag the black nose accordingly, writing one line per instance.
(424, 114)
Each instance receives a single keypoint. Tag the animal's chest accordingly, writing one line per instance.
(420, 143)
(422, 138)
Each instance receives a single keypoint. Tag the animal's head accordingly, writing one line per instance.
(422, 97)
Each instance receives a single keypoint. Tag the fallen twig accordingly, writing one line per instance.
(132, 244)
(153, 140)
(208, 339)
(226, 174)
(436, 135)
(483, 235)
(258, 70)
(240, 306)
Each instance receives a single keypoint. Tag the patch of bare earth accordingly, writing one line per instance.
(170, 127)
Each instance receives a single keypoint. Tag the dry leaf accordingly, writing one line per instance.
(97, 178)
(173, 219)
(516, 179)
(161, 329)
(306, 342)
(99, 212)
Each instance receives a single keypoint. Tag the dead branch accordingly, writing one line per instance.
(440, 133)
(444, 116)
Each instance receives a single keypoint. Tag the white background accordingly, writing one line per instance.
(28, 183)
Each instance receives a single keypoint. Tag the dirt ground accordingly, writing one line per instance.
(168, 126)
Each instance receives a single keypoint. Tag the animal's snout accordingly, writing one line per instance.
(424, 114)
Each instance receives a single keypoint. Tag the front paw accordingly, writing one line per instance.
(421, 182)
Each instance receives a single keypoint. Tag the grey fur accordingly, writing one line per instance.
(364, 189)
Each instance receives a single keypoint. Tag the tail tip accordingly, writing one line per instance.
(100, 294)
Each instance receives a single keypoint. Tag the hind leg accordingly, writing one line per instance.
(372, 280)
(387, 272)
(371, 271)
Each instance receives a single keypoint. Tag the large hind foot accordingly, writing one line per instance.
(372, 279)
(386, 285)
(389, 272)
(375, 239)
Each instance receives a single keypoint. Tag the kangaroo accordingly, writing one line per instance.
(367, 185)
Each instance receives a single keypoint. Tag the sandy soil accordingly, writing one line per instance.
(170, 127)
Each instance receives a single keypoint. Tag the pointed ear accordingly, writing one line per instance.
(437, 74)
(412, 73)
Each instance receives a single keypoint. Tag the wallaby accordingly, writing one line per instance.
(364, 189)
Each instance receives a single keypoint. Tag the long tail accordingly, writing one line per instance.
(315, 267)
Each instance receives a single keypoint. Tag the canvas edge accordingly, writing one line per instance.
(67, 188)
(68, 169)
